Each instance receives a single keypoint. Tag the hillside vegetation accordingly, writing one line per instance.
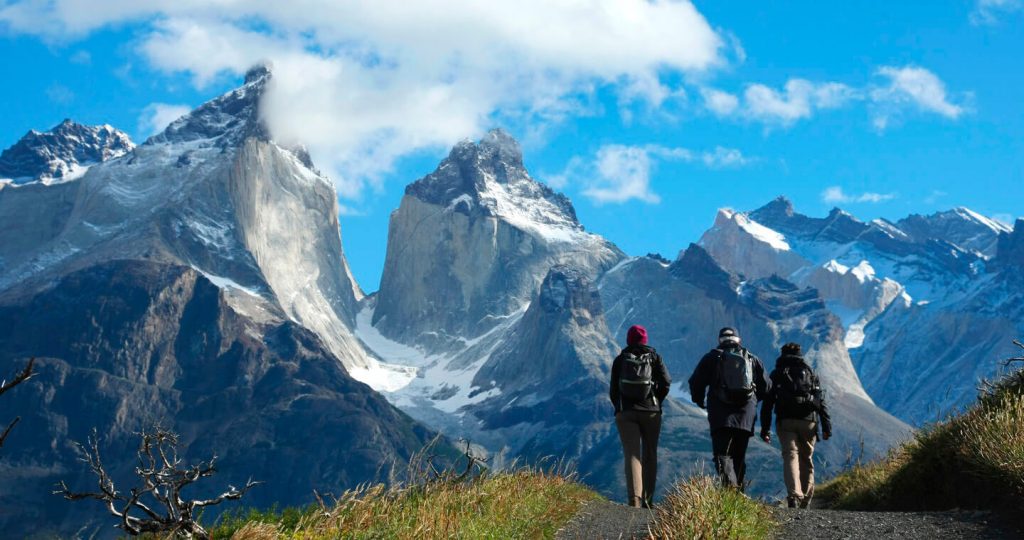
(971, 460)
(527, 503)
(700, 508)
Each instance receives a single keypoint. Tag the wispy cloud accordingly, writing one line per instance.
(911, 86)
(896, 90)
(157, 116)
(60, 94)
(987, 12)
(619, 173)
(836, 195)
(81, 57)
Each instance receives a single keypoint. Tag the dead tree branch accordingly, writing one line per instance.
(1010, 361)
(163, 477)
(21, 377)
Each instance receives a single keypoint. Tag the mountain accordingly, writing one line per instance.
(62, 154)
(507, 315)
(927, 303)
(197, 280)
(483, 235)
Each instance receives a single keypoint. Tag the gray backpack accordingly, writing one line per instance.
(735, 384)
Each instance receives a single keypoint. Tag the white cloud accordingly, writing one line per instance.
(60, 94)
(798, 100)
(719, 102)
(620, 173)
(623, 174)
(157, 116)
(989, 11)
(361, 83)
(911, 86)
(836, 195)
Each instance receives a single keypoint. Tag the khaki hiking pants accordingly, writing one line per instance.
(639, 432)
(797, 439)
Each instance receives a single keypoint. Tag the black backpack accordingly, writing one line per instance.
(735, 384)
(797, 390)
(636, 376)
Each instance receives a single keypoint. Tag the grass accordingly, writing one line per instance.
(526, 503)
(700, 509)
(971, 460)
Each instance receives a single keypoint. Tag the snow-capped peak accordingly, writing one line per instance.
(61, 154)
(225, 121)
(488, 178)
(971, 215)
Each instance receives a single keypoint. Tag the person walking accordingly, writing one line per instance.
(638, 387)
(729, 381)
(798, 401)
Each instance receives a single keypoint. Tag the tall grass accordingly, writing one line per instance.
(525, 503)
(971, 460)
(700, 509)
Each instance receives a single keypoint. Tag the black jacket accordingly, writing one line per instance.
(662, 380)
(721, 414)
(771, 398)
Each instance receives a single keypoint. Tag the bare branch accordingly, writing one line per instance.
(1009, 361)
(162, 478)
(25, 375)
(7, 431)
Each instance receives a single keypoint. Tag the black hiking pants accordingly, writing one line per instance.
(729, 446)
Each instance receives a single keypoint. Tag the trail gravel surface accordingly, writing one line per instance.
(835, 525)
(601, 520)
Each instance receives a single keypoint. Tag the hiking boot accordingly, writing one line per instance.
(648, 503)
(636, 502)
(790, 502)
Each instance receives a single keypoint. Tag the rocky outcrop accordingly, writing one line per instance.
(471, 242)
(62, 154)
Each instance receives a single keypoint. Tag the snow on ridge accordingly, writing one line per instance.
(538, 215)
(971, 215)
(771, 237)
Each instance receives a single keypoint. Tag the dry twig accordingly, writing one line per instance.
(163, 478)
(21, 377)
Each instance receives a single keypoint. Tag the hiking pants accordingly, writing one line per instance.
(797, 440)
(639, 432)
(729, 446)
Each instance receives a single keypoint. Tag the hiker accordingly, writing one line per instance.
(799, 404)
(639, 385)
(728, 382)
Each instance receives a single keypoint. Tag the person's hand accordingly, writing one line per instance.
(766, 436)
(826, 435)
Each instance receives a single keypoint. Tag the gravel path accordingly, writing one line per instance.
(600, 520)
(835, 525)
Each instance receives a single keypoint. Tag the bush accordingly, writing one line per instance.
(699, 508)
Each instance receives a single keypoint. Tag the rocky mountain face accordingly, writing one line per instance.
(483, 235)
(927, 304)
(62, 154)
(197, 280)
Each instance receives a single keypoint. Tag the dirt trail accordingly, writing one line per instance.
(601, 520)
(836, 524)
(607, 520)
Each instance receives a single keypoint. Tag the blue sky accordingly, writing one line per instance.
(882, 108)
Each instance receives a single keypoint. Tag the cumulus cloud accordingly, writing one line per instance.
(620, 173)
(896, 90)
(797, 100)
(914, 87)
(362, 83)
(719, 102)
(836, 195)
(157, 116)
(989, 11)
